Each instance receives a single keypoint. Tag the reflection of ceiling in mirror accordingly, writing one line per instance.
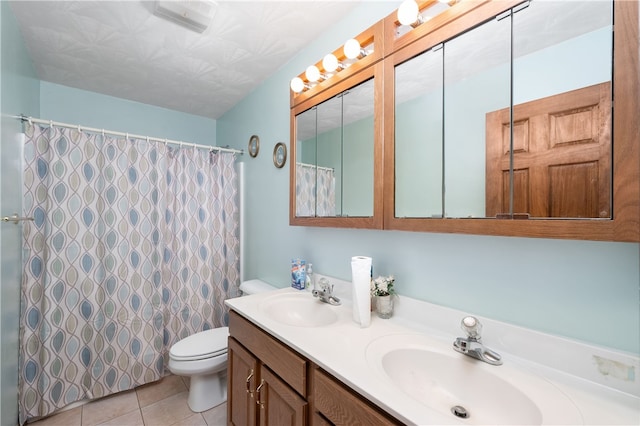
(305, 125)
(542, 24)
(357, 103)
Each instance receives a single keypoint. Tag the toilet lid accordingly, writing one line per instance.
(205, 344)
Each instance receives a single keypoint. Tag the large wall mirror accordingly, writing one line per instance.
(456, 155)
(335, 155)
(510, 116)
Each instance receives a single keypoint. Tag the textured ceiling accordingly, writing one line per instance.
(119, 48)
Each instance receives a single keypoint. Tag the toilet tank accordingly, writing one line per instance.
(255, 286)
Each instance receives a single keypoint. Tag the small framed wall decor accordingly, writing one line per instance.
(279, 155)
(254, 145)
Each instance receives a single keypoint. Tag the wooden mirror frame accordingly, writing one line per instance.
(624, 224)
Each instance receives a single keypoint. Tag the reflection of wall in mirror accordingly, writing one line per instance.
(578, 62)
(328, 155)
(418, 174)
(358, 168)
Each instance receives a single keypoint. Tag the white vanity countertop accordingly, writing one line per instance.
(603, 384)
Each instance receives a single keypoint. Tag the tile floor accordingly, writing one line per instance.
(163, 403)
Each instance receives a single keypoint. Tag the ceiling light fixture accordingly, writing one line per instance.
(193, 14)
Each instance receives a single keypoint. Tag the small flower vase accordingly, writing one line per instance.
(384, 306)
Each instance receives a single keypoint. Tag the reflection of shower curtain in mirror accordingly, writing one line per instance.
(134, 246)
(315, 191)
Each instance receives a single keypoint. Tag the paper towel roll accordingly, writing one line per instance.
(361, 287)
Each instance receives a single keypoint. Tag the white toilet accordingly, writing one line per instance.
(203, 357)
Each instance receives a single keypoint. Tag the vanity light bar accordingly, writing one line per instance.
(411, 14)
(332, 64)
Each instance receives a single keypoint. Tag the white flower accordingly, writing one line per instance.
(382, 286)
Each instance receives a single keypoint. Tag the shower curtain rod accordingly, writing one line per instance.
(127, 135)
(313, 166)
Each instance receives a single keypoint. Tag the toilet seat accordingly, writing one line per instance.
(205, 344)
(203, 358)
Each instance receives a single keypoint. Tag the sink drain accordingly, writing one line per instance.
(460, 411)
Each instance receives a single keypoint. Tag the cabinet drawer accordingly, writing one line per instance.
(343, 407)
(287, 364)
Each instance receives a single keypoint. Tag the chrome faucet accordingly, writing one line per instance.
(472, 345)
(325, 294)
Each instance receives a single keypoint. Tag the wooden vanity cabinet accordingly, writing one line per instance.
(266, 381)
(271, 384)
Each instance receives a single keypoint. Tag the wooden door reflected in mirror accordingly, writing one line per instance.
(561, 156)
(562, 116)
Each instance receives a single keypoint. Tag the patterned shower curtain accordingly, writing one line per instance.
(133, 247)
(315, 191)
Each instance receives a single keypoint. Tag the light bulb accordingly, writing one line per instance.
(352, 49)
(330, 63)
(408, 12)
(297, 85)
(312, 73)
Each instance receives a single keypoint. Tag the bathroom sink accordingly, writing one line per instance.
(298, 309)
(466, 389)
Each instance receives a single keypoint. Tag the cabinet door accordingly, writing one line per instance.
(242, 379)
(279, 404)
(282, 360)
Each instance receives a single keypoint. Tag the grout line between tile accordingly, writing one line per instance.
(83, 419)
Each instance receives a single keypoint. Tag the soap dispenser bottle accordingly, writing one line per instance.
(310, 283)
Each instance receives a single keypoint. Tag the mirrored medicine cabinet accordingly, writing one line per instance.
(336, 142)
(493, 118)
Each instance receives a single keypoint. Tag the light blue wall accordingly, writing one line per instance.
(580, 289)
(18, 94)
(75, 106)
